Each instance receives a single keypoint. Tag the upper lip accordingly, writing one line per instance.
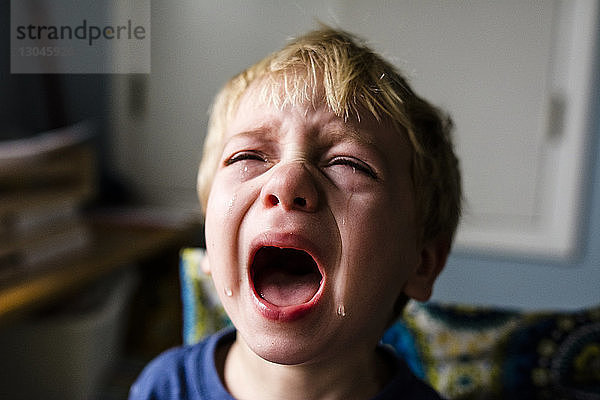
(286, 240)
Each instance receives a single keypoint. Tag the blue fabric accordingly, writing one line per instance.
(189, 373)
(402, 340)
(184, 373)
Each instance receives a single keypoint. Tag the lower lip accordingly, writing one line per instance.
(287, 313)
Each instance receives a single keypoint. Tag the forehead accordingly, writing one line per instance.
(260, 111)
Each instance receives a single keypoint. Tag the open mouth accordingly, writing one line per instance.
(285, 276)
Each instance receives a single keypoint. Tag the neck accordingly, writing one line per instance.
(358, 375)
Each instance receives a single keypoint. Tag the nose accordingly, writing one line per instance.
(291, 187)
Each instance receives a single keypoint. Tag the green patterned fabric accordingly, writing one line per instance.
(485, 353)
(464, 352)
(203, 313)
(456, 345)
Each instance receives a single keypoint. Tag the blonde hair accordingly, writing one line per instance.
(353, 78)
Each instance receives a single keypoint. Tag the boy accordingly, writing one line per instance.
(331, 194)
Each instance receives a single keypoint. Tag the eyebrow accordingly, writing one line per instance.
(265, 130)
(348, 134)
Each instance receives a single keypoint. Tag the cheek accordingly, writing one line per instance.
(221, 225)
(227, 207)
(216, 211)
(225, 204)
(382, 218)
(381, 240)
(221, 199)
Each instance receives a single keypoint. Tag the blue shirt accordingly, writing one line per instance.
(189, 373)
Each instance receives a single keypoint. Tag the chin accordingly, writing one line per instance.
(291, 351)
(301, 342)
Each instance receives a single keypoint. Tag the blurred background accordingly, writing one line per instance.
(518, 77)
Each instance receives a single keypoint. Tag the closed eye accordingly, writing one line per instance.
(246, 155)
(355, 164)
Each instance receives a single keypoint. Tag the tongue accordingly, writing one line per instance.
(282, 287)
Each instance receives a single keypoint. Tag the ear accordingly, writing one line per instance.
(432, 261)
